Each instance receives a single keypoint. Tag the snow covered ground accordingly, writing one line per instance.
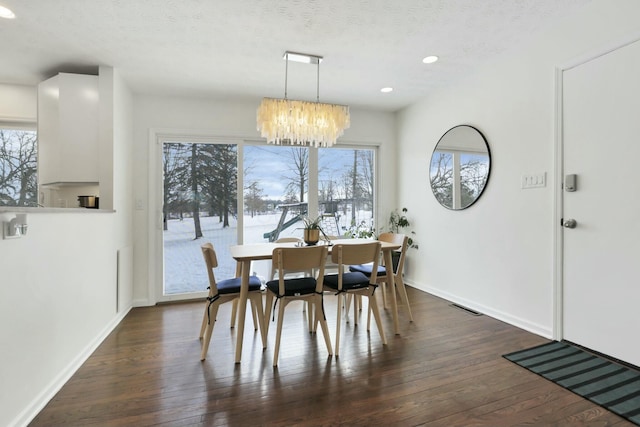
(184, 268)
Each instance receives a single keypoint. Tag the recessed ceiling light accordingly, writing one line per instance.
(386, 89)
(6, 13)
(430, 59)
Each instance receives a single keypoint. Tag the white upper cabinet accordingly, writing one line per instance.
(68, 132)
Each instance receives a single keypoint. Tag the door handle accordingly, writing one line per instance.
(569, 223)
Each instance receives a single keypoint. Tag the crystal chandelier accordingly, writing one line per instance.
(302, 122)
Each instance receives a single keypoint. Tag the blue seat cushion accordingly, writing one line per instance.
(367, 269)
(354, 280)
(294, 287)
(232, 286)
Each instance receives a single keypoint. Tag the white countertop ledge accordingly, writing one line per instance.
(30, 210)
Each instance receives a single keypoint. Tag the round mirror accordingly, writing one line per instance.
(460, 166)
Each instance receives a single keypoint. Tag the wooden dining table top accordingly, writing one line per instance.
(264, 251)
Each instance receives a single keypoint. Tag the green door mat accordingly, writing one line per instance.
(606, 383)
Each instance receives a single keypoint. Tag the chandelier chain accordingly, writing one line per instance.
(286, 75)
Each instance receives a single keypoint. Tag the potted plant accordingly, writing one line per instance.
(361, 230)
(398, 222)
(311, 230)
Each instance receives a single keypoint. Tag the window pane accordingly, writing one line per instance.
(441, 172)
(275, 192)
(345, 190)
(18, 168)
(474, 170)
(199, 206)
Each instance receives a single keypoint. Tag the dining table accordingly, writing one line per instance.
(244, 254)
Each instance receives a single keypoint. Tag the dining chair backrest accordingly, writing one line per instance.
(288, 240)
(303, 259)
(398, 239)
(361, 253)
(211, 260)
(274, 267)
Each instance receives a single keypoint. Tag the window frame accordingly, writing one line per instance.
(157, 138)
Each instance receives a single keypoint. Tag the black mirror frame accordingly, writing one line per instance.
(488, 172)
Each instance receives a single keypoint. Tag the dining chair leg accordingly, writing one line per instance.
(376, 315)
(283, 303)
(254, 313)
(347, 306)
(323, 324)
(402, 290)
(256, 303)
(211, 321)
(204, 319)
(234, 312)
(357, 308)
(310, 315)
(267, 312)
(338, 323)
(383, 285)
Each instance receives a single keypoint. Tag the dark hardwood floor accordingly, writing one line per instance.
(445, 369)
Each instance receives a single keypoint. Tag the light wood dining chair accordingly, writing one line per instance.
(307, 288)
(355, 284)
(272, 274)
(222, 292)
(382, 271)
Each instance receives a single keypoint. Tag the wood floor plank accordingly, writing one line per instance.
(445, 369)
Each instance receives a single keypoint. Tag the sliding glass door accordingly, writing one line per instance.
(225, 193)
(199, 205)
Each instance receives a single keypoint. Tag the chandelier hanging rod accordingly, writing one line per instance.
(304, 58)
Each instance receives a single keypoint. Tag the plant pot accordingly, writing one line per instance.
(311, 236)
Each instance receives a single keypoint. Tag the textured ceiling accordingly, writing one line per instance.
(233, 48)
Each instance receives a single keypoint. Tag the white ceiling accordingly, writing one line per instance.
(233, 48)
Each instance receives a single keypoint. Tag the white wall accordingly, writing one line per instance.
(233, 119)
(18, 103)
(497, 256)
(58, 284)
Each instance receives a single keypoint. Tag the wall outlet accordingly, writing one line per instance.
(534, 180)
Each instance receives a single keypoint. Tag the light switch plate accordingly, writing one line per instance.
(534, 180)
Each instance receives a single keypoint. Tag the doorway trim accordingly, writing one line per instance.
(558, 203)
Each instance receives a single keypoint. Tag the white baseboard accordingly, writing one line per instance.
(488, 311)
(41, 400)
(142, 303)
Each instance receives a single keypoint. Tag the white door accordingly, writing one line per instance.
(601, 136)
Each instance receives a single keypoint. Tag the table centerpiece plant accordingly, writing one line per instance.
(311, 230)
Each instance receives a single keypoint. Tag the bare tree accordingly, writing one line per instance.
(253, 198)
(354, 186)
(18, 167)
(173, 168)
(298, 172)
(220, 179)
(366, 173)
(473, 175)
(195, 189)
